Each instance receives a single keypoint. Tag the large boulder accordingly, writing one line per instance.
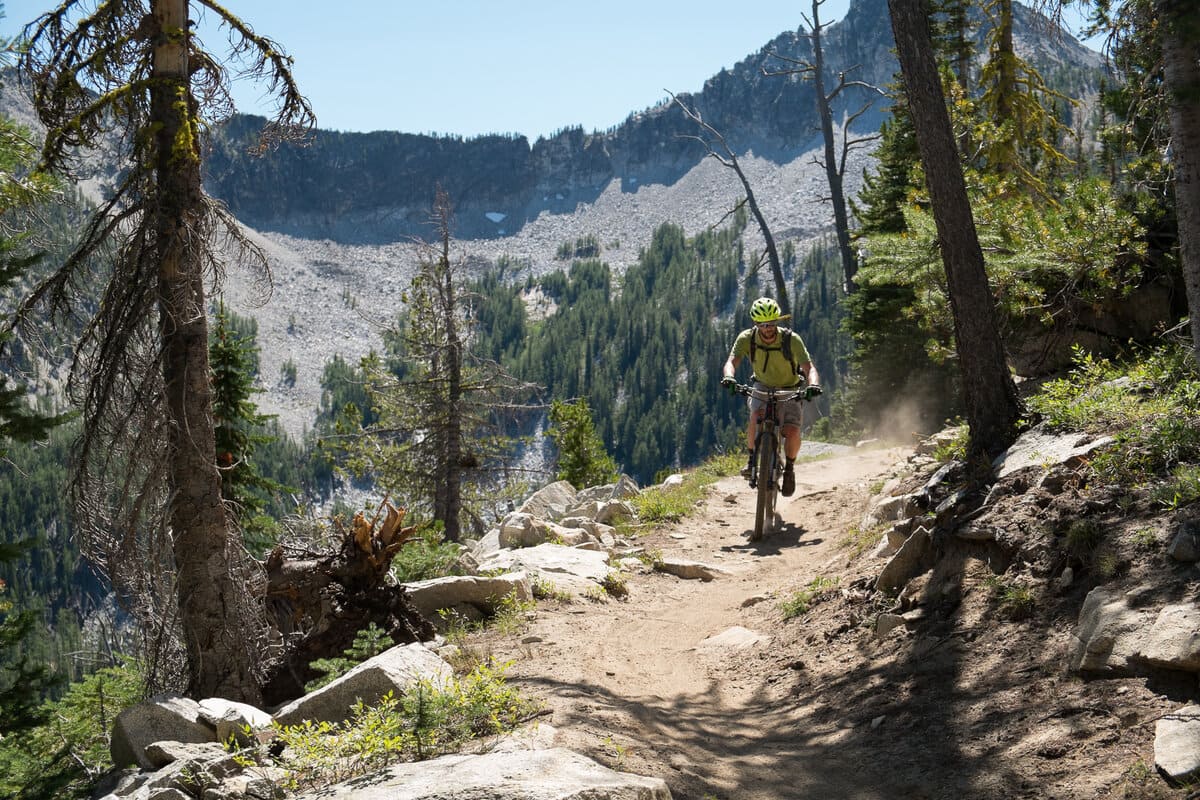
(1040, 447)
(1110, 633)
(163, 718)
(550, 502)
(231, 719)
(568, 569)
(554, 774)
(1173, 641)
(395, 671)
(1177, 744)
(453, 592)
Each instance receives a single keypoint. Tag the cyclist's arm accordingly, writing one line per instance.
(809, 370)
(730, 368)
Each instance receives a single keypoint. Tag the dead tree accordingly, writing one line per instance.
(712, 140)
(834, 161)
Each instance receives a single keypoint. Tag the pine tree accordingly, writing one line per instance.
(137, 71)
(239, 429)
(582, 459)
(438, 439)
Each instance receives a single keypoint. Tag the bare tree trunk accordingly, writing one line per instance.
(454, 388)
(837, 197)
(1179, 37)
(220, 663)
(993, 409)
(729, 159)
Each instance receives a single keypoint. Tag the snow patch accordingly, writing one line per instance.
(496, 216)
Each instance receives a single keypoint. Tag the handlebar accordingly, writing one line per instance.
(778, 395)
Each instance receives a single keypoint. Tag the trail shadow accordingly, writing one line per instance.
(754, 751)
(786, 535)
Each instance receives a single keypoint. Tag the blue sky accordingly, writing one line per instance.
(480, 66)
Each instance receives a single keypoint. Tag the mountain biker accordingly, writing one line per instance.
(777, 364)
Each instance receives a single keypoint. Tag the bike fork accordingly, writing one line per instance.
(758, 442)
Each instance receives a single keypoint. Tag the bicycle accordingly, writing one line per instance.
(768, 444)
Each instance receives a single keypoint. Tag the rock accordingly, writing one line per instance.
(977, 530)
(490, 543)
(1174, 639)
(945, 438)
(908, 562)
(569, 569)
(1038, 447)
(688, 570)
(454, 591)
(1110, 632)
(163, 718)
(736, 637)
(606, 512)
(886, 623)
(550, 502)
(886, 508)
(624, 488)
(554, 774)
(1177, 744)
(605, 534)
(525, 530)
(1185, 544)
(230, 719)
(395, 670)
(217, 762)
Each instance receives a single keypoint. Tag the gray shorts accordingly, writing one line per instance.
(790, 413)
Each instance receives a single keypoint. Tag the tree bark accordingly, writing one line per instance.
(1179, 37)
(220, 663)
(989, 394)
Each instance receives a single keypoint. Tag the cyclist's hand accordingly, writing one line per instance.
(811, 391)
(729, 383)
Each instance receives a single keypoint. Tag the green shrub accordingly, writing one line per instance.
(368, 643)
(801, 601)
(427, 555)
(427, 721)
(1014, 600)
(671, 504)
(64, 757)
(1151, 408)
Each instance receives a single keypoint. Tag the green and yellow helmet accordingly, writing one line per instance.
(764, 309)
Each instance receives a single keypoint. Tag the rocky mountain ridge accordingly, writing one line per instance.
(376, 188)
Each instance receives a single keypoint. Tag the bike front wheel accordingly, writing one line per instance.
(764, 511)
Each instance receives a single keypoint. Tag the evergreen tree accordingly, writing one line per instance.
(239, 429)
(23, 681)
(438, 438)
(137, 70)
(582, 459)
(1018, 132)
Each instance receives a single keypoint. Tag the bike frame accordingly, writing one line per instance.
(768, 444)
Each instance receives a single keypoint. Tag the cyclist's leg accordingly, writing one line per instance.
(791, 441)
(792, 416)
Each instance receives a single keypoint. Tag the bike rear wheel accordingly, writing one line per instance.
(764, 510)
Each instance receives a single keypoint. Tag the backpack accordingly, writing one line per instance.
(786, 333)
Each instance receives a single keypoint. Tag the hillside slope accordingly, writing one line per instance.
(932, 693)
(331, 298)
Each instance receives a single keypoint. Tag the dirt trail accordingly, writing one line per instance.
(641, 684)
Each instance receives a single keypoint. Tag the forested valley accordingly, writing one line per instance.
(1089, 250)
